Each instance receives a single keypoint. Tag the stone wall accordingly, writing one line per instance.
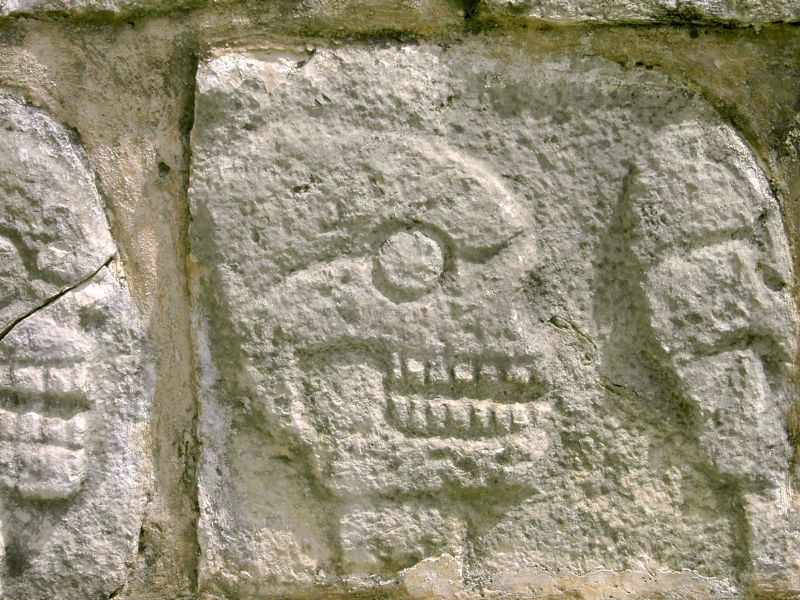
(420, 299)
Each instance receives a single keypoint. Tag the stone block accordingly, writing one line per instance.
(473, 321)
(75, 382)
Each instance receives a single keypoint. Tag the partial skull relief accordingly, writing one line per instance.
(423, 259)
(72, 372)
(489, 327)
(45, 415)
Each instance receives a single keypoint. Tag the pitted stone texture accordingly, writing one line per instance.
(73, 406)
(411, 262)
(426, 15)
(53, 233)
(587, 393)
(74, 380)
(24, 7)
(742, 12)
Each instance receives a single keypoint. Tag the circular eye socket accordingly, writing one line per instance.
(411, 261)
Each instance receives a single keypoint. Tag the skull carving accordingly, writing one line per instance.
(412, 366)
(46, 412)
(72, 373)
(508, 338)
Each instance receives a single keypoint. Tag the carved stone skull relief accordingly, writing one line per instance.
(514, 324)
(73, 373)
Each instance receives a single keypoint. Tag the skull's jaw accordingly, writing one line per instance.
(416, 421)
(416, 410)
(424, 394)
(42, 444)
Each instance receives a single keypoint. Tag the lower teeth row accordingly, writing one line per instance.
(34, 428)
(456, 418)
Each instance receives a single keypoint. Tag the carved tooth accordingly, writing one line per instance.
(76, 429)
(66, 380)
(417, 422)
(29, 427)
(405, 412)
(501, 419)
(8, 464)
(28, 379)
(519, 374)
(519, 417)
(437, 370)
(430, 424)
(399, 412)
(69, 434)
(481, 417)
(457, 416)
(488, 373)
(396, 373)
(415, 371)
(463, 373)
(7, 423)
(53, 431)
(437, 417)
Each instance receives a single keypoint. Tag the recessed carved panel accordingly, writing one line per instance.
(477, 321)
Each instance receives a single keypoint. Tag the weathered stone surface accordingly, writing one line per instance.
(741, 12)
(375, 15)
(472, 322)
(74, 383)
(73, 408)
(22, 7)
(53, 233)
(648, 11)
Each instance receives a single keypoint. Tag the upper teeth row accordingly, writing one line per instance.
(33, 427)
(440, 370)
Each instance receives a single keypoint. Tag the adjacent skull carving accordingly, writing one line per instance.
(73, 376)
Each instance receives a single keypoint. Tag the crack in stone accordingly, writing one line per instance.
(191, 448)
(52, 299)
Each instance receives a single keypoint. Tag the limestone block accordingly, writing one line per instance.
(650, 11)
(472, 321)
(74, 381)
